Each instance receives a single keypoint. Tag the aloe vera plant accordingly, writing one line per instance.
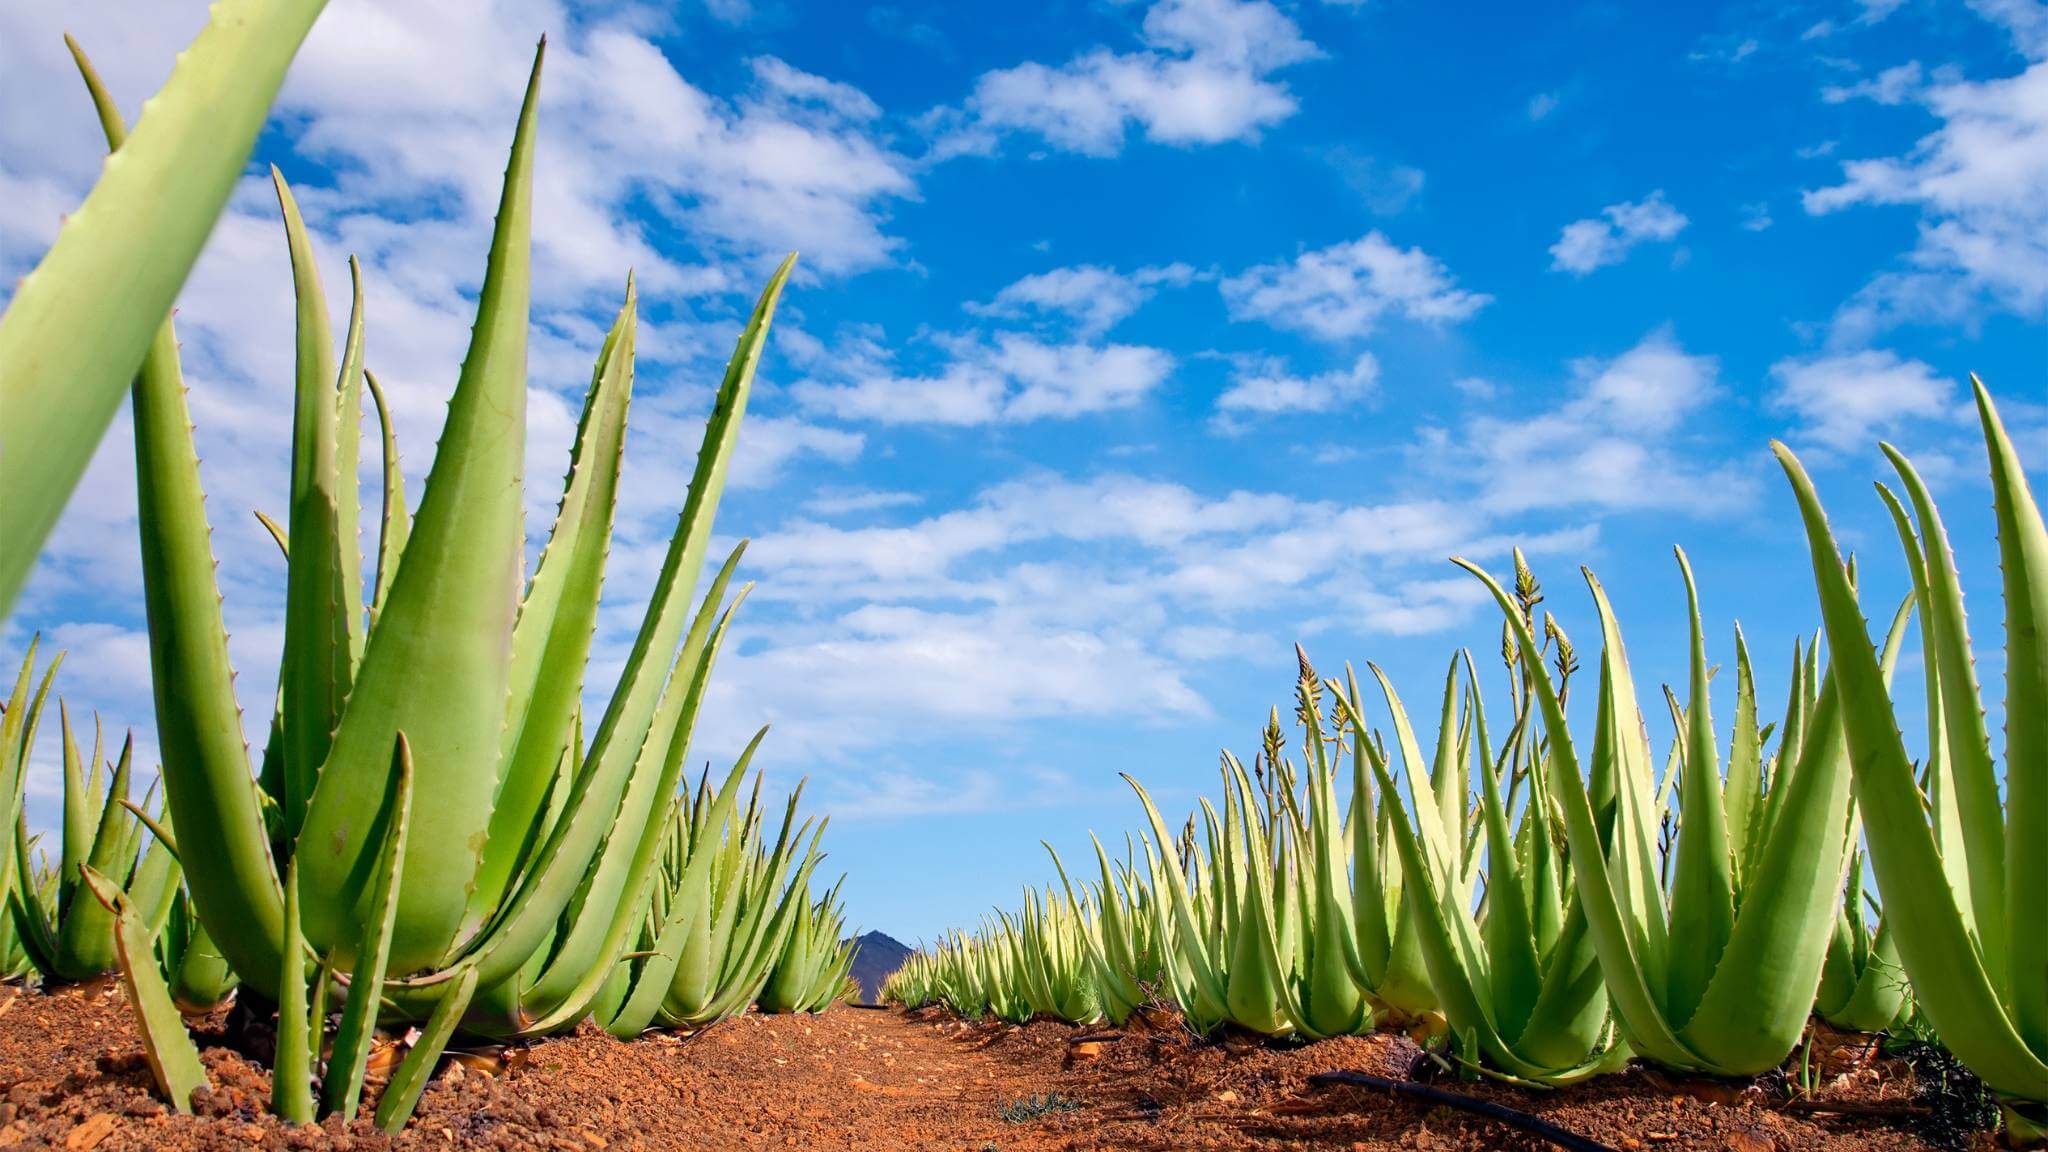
(65, 934)
(1716, 972)
(1296, 921)
(1862, 986)
(1516, 974)
(950, 973)
(1049, 949)
(1282, 916)
(719, 915)
(522, 856)
(1117, 932)
(1964, 879)
(1065, 955)
(68, 934)
(81, 323)
(811, 972)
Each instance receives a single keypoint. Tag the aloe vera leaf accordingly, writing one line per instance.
(1368, 898)
(1939, 783)
(343, 1087)
(402, 1094)
(649, 983)
(313, 674)
(76, 828)
(18, 734)
(1745, 765)
(1764, 987)
(1458, 974)
(1937, 950)
(1702, 886)
(316, 1010)
(204, 978)
(310, 689)
(80, 324)
(199, 725)
(557, 618)
(1422, 790)
(1208, 981)
(154, 885)
(2023, 558)
(596, 826)
(173, 1058)
(156, 880)
(1965, 739)
(1516, 975)
(435, 666)
(1252, 985)
(291, 1073)
(1335, 1002)
(1631, 829)
(348, 496)
(394, 521)
(26, 906)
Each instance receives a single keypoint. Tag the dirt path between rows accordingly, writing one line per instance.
(72, 1078)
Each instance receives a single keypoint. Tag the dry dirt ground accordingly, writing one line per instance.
(72, 1077)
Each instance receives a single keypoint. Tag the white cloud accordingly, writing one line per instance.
(1203, 76)
(1263, 386)
(1846, 402)
(730, 11)
(1340, 293)
(972, 667)
(1891, 86)
(1011, 378)
(412, 108)
(774, 442)
(1386, 187)
(845, 501)
(798, 88)
(886, 794)
(2026, 21)
(1616, 442)
(1980, 182)
(1052, 596)
(1095, 298)
(1598, 241)
(1542, 104)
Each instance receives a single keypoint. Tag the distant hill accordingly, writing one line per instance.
(879, 957)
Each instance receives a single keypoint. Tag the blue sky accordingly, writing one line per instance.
(1133, 343)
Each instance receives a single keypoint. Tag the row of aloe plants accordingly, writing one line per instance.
(427, 833)
(1561, 903)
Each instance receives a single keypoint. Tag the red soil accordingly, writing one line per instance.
(72, 1077)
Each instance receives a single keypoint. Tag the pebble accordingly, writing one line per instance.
(87, 1135)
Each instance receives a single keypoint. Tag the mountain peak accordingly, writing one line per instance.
(878, 958)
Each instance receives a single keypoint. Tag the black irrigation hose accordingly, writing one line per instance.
(1534, 1126)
